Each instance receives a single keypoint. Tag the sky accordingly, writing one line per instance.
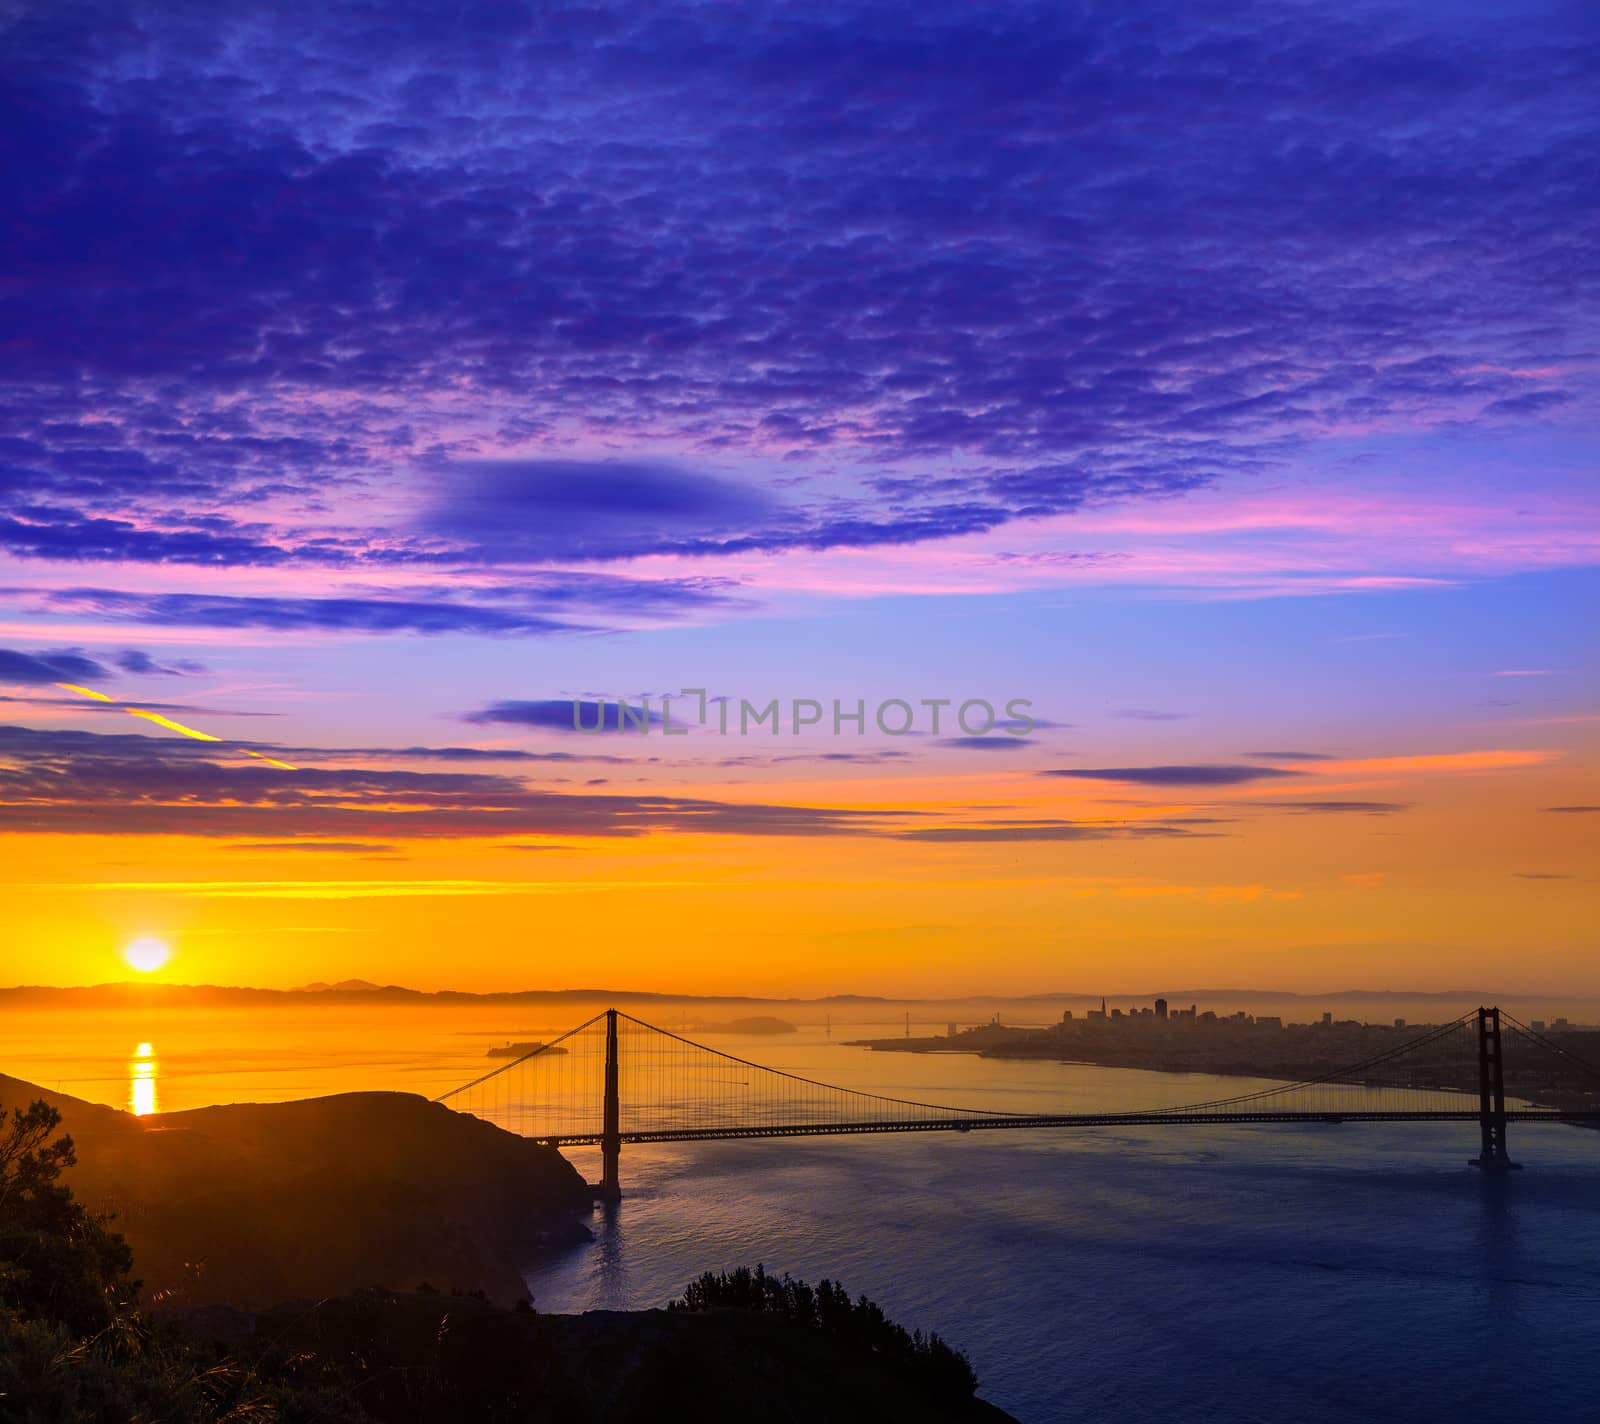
(1172, 429)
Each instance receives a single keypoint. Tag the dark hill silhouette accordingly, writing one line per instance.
(408, 1357)
(253, 1203)
(78, 1343)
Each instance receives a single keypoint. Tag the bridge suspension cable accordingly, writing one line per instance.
(1411, 1077)
(615, 1078)
(672, 1086)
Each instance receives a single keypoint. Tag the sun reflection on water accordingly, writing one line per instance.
(142, 1081)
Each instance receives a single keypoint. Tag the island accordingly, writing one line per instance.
(522, 1050)
(757, 1024)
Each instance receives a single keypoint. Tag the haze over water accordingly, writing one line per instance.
(1177, 1273)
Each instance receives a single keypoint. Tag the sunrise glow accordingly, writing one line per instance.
(146, 954)
(947, 648)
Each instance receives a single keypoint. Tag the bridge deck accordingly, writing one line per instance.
(990, 1124)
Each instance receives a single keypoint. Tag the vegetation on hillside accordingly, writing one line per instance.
(77, 1346)
(858, 1325)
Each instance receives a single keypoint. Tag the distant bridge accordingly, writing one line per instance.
(570, 1092)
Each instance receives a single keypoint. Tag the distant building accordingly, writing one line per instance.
(1399, 1023)
(1268, 1021)
(1066, 1016)
(1538, 1023)
(950, 1029)
(1327, 1017)
(1117, 1014)
(1161, 1008)
(1558, 1023)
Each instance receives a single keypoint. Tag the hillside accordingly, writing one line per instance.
(254, 1203)
(404, 1357)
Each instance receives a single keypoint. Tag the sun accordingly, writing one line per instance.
(147, 954)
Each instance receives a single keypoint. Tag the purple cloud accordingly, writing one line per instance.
(44, 669)
(143, 665)
(1174, 775)
(534, 510)
(1009, 262)
(556, 603)
(1024, 831)
(569, 714)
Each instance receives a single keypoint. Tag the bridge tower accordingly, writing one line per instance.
(611, 1124)
(1491, 1095)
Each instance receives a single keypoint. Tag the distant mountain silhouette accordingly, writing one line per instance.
(143, 994)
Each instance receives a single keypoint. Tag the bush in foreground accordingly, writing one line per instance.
(856, 1324)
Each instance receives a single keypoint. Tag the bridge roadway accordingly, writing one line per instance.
(1145, 1119)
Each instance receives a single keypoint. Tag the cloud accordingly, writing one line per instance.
(283, 614)
(325, 847)
(457, 754)
(1006, 263)
(67, 782)
(1336, 808)
(87, 783)
(44, 669)
(1024, 831)
(538, 604)
(1531, 403)
(114, 707)
(143, 665)
(1538, 875)
(530, 511)
(873, 758)
(1199, 775)
(95, 540)
(1290, 756)
(1146, 714)
(583, 715)
(1572, 810)
(1495, 759)
(987, 744)
(1366, 879)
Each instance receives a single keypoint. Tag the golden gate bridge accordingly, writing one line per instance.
(615, 1079)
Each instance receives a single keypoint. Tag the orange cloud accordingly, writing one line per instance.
(1497, 760)
(1366, 879)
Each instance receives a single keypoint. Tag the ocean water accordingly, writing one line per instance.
(1177, 1274)
(1315, 1274)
